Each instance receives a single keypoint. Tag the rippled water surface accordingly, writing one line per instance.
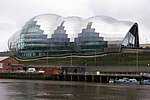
(60, 90)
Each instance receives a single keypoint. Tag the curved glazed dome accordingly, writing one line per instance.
(72, 26)
(56, 34)
(108, 27)
(13, 40)
(47, 22)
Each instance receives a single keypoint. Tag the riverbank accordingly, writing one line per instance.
(29, 76)
(102, 78)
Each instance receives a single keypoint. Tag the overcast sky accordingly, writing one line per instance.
(14, 13)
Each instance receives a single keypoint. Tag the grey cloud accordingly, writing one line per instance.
(4, 26)
(132, 10)
(17, 12)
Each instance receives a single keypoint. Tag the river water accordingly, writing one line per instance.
(61, 90)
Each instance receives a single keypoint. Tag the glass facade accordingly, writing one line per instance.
(59, 41)
(89, 42)
(32, 42)
(53, 35)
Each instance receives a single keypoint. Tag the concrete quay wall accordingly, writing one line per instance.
(102, 78)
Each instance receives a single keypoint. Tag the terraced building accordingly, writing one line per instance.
(53, 35)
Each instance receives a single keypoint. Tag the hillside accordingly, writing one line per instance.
(114, 59)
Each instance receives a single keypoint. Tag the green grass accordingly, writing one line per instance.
(115, 59)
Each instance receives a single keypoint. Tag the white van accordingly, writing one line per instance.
(31, 70)
(41, 71)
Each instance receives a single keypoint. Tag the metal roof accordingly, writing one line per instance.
(2, 58)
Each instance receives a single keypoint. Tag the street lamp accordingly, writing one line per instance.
(148, 67)
(47, 55)
(137, 59)
(95, 58)
(71, 60)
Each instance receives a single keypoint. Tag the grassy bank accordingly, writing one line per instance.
(115, 59)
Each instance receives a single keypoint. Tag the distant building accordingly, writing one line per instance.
(6, 62)
(145, 45)
(52, 35)
(5, 53)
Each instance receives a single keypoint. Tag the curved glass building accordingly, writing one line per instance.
(53, 35)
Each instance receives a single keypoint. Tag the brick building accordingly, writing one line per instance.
(9, 64)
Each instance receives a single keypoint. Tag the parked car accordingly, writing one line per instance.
(31, 70)
(126, 80)
(20, 71)
(41, 71)
(145, 82)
